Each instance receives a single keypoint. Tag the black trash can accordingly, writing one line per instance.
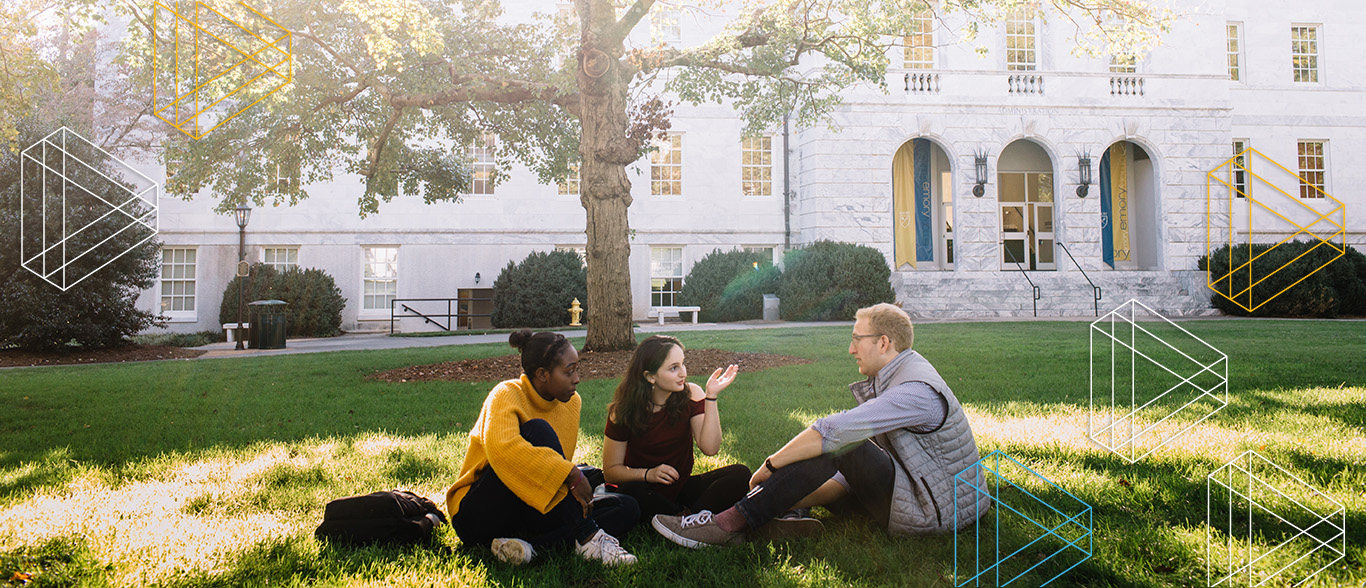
(267, 324)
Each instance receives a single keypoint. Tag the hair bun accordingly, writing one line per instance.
(520, 338)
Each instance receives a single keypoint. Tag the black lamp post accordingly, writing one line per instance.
(981, 165)
(243, 214)
(1084, 168)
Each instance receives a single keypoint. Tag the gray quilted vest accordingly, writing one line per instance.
(927, 462)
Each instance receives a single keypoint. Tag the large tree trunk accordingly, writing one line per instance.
(606, 149)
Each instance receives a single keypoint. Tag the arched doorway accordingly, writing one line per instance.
(1128, 208)
(1024, 193)
(922, 206)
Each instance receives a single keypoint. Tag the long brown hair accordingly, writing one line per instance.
(632, 401)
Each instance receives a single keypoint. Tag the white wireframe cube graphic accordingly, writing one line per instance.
(1263, 522)
(80, 208)
(1151, 381)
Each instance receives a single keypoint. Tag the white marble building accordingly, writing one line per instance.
(1029, 106)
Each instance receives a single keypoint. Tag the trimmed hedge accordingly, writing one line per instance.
(537, 292)
(729, 287)
(1338, 288)
(828, 281)
(315, 301)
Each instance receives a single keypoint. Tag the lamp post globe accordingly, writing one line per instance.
(242, 215)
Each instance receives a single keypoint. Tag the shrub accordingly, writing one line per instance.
(729, 286)
(1338, 288)
(100, 310)
(315, 301)
(828, 281)
(537, 292)
(195, 339)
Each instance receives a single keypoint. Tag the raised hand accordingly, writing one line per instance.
(719, 380)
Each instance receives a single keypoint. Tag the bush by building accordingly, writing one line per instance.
(730, 285)
(100, 310)
(315, 301)
(1339, 288)
(828, 281)
(537, 292)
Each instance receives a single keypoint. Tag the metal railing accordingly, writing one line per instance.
(1094, 288)
(452, 304)
(1037, 293)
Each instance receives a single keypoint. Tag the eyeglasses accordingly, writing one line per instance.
(854, 339)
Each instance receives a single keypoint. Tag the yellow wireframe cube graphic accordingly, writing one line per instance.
(1252, 188)
(212, 64)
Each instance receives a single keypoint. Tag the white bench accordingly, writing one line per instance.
(673, 311)
(230, 329)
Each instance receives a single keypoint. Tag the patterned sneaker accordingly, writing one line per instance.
(793, 524)
(696, 530)
(606, 549)
(513, 551)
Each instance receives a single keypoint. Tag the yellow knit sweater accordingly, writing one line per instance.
(534, 474)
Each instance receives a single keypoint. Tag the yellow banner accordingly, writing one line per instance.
(903, 204)
(1119, 200)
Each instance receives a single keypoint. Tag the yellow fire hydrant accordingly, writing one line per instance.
(574, 312)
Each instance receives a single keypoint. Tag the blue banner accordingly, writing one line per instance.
(1107, 238)
(924, 227)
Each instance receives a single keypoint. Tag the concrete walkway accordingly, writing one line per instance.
(362, 341)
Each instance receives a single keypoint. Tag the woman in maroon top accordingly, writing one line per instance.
(652, 423)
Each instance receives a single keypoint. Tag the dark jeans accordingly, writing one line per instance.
(867, 468)
(715, 491)
(490, 510)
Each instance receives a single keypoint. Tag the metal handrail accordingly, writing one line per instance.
(1094, 288)
(1037, 293)
(448, 316)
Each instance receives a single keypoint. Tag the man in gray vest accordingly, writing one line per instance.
(894, 455)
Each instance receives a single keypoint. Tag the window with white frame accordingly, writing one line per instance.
(1234, 33)
(756, 165)
(178, 281)
(380, 286)
(174, 186)
(1123, 64)
(1304, 52)
(579, 250)
(1313, 169)
(666, 166)
(919, 42)
(481, 159)
(280, 258)
(666, 275)
(570, 185)
(284, 178)
(767, 250)
(568, 22)
(1021, 40)
(1239, 168)
(666, 26)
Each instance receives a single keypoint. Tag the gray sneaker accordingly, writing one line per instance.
(793, 524)
(695, 530)
(513, 551)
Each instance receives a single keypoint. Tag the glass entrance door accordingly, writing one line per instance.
(1026, 202)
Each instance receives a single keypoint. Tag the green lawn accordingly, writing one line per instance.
(215, 472)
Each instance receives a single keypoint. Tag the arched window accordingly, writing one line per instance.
(922, 197)
(1024, 194)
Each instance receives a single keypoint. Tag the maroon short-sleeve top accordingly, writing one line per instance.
(664, 442)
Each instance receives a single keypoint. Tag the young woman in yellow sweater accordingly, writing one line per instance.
(518, 490)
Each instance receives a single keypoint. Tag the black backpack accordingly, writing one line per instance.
(398, 517)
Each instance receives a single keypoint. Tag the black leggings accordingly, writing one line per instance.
(715, 491)
(490, 510)
(867, 468)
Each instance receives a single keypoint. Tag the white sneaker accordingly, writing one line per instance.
(605, 548)
(513, 551)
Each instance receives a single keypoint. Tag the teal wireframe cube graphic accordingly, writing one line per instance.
(1036, 526)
